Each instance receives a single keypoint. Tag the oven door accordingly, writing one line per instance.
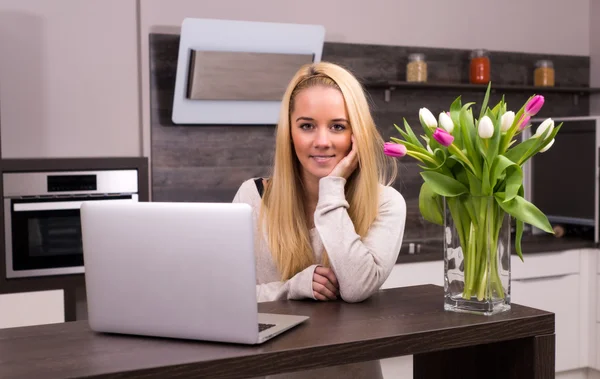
(43, 236)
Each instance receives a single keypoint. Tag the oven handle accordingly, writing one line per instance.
(59, 205)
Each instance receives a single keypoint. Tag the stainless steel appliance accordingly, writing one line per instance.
(564, 181)
(41, 217)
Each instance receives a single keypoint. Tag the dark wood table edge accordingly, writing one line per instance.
(269, 363)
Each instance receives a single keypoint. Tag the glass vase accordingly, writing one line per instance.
(476, 255)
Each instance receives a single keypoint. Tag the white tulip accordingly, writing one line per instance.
(429, 149)
(506, 121)
(446, 122)
(486, 128)
(541, 130)
(428, 118)
(545, 148)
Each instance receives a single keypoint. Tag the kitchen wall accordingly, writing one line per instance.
(70, 71)
(69, 82)
(208, 163)
(535, 26)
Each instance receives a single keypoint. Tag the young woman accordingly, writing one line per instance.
(329, 226)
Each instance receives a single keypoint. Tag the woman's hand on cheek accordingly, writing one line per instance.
(347, 165)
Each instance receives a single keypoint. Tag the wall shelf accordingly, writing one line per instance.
(390, 86)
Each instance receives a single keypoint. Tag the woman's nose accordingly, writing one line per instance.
(322, 138)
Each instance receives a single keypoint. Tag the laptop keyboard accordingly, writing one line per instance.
(262, 327)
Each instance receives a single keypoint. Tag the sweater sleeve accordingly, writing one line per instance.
(296, 288)
(360, 265)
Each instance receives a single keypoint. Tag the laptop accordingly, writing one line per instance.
(177, 270)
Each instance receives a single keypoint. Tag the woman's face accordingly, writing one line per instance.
(321, 131)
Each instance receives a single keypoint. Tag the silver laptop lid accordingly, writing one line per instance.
(183, 270)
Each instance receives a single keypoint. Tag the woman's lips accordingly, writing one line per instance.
(322, 158)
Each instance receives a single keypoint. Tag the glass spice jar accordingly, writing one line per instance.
(479, 67)
(543, 75)
(416, 69)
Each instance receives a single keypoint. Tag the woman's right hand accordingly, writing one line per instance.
(325, 285)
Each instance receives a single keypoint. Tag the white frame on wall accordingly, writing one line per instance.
(238, 36)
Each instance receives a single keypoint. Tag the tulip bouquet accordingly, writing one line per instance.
(472, 171)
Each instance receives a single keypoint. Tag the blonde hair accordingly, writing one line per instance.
(282, 211)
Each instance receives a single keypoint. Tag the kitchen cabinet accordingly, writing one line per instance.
(549, 281)
(32, 308)
(403, 275)
(558, 294)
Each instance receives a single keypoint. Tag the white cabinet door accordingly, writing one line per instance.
(413, 274)
(558, 294)
(32, 308)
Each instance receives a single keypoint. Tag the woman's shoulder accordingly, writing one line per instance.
(391, 198)
(250, 191)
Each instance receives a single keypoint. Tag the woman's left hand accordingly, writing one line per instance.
(347, 165)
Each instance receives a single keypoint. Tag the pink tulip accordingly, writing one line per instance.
(443, 137)
(395, 150)
(534, 105)
(523, 122)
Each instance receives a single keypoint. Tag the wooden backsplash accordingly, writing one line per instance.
(208, 163)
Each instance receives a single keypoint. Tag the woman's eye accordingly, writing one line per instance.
(305, 126)
(339, 127)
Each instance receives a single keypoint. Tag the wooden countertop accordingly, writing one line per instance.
(531, 244)
(399, 321)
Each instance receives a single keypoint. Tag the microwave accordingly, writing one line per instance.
(564, 182)
(42, 221)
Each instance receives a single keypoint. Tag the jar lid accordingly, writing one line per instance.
(544, 63)
(477, 53)
(416, 57)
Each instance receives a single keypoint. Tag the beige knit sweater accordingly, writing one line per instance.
(361, 265)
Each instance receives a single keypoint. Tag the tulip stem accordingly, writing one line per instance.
(479, 236)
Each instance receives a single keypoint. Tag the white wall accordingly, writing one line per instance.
(534, 26)
(70, 75)
(69, 78)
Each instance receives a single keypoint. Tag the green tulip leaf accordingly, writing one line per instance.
(486, 189)
(499, 109)
(501, 163)
(518, 237)
(459, 172)
(474, 184)
(494, 142)
(523, 210)
(430, 205)
(486, 98)
(443, 185)
(514, 181)
(517, 153)
(505, 169)
(455, 108)
(413, 138)
(469, 135)
(402, 133)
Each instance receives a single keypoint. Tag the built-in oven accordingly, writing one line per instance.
(42, 221)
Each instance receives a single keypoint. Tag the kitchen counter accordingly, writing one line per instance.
(393, 322)
(531, 244)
